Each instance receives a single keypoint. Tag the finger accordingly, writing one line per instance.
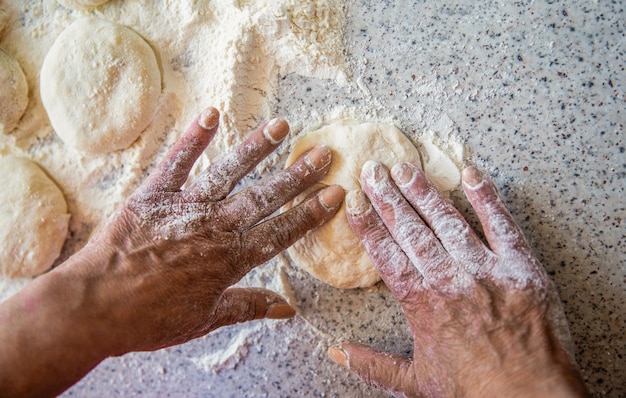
(391, 373)
(394, 267)
(246, 304)
(216, 182)
(452, 230)
(405, 225)
(253, 204)
(174, 169)
(271, 237)
(501, 231)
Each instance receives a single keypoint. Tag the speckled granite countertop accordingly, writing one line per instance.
(536, 91)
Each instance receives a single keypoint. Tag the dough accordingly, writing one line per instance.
(332, 252)
(100, 84)
(81, 4)
(438, 165)
(33, 219)
(13, 92)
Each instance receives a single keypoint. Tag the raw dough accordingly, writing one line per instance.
(100, 85)
(33, 219)
(439, 164)
(13, 92)
(333, 253)
(81, 4)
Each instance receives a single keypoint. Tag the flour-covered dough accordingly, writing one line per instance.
(81, 4)
(100, 84)
(33, 219)
(333, 253)
(13, 92)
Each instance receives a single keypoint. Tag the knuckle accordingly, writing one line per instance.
(504, 228)
(421, 249)
(287, 230)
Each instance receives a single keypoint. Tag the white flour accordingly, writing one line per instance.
(234, 352)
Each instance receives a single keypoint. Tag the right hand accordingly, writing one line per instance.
(478, 314)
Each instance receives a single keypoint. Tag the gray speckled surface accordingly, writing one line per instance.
(536, 90)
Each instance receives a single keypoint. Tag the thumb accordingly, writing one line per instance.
(246, 304)
(391, 373)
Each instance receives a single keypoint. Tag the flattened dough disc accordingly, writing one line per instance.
(100, 85)
(33, 219)
(332, 253)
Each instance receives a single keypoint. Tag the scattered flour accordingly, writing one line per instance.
(234, 351)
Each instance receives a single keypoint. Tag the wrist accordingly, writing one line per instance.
(92, 294)
(51, 343)
(552, 376)
(556, 385)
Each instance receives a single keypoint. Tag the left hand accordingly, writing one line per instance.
(172, 254)
(159, 272)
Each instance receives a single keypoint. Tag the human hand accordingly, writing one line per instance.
(166, 260)
(159, 273)
(478, 314)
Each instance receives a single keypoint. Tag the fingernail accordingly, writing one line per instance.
(357, 203)
(403, 174)
(331, 197)
(209, 118)
(339, 356)
(373, 171)
(276, 130)
(318, 157)
(280, 311)
(472, 177)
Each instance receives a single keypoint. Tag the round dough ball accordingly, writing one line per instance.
(100, 84)
(81, 4)
(332, 253)
(13, 92)
(33, 219)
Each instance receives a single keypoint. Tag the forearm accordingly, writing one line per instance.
(47, 341)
